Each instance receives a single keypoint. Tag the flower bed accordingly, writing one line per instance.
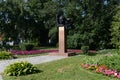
(22, 52)
(101, 69)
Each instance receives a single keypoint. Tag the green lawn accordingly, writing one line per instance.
(65, 69)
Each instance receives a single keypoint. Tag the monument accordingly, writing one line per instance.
(61, 24)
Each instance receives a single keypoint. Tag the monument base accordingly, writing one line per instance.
(62, 54)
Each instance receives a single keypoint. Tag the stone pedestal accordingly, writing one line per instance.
(62, 44)
(62, 40)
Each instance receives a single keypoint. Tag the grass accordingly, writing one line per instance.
(65, 69)
(108, 51)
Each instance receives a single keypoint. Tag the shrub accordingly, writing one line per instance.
(8, 47)
(6, 55)
(16, 47)
(29, 47)
(20, 68)
(26, 46)
(22, 46)
(112, 62)
(0, 47)
(73, 41)
(85, 49)
(53, 36)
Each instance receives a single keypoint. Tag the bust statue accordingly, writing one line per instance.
(60, 19)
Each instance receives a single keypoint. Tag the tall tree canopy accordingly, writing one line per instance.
(115, 28)
(36, 20)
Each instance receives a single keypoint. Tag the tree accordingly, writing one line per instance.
(115, 28)
(22, 19)
(36, 19)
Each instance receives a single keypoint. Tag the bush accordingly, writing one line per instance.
(26, 46)
(16, 47)
(0, 47)
(53, 36)
(6, 55)
(7, 47)
(73, 41)
(29, 47)
(112, 62)
(22, 46)
(20, 68)
(85, 49)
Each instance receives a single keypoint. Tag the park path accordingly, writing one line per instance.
(1, 77)
(33, 60)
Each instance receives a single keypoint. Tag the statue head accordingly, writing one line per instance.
(60, 18)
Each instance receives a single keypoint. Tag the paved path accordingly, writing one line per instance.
(33, 60)
(1, 77)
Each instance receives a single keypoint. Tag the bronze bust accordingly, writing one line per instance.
(60, 19)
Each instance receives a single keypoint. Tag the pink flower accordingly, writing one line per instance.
(115, 74)
(101, 69)
(118, 76)
(85, 65)
(110, 72)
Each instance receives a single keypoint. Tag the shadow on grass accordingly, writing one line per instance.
(89, 53)
(36, 72)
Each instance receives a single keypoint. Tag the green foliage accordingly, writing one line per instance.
(64, 68)
(22, 46)
(26, 46)
(16, 47)
(20, 68)
(111, 61)
(6, 55)
(29, 47)
(53, 35)
(85, 49)
(115, 29)
(7, 47)
(109, 51)
(73, 41)
(30, 19)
